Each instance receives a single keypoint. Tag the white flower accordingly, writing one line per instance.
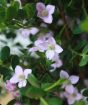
(45, 12)
(70, 80)
(72, 98)
(48, 45)
(26, 32)
(52, 48)
(10, 42)
(57, 62)
(20, 76)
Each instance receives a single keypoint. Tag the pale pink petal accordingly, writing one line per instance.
(48, 19)
(58, 49)
(18, 70)
(40, 7)
(52, 40)
(27, 72)
(22, 84)
(34, 30)
(78, 97)
(69, 88)
(50, 54)
(71, 100)
(50, 9)
(34, 49)
(64, 74)
(14, 79)
(74, 79)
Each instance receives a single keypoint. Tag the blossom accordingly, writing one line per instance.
(26, 32)
(11, 43)
(71, 98)
(68, 85)
(57, 62)
(48, 45)
(45, 12)
(9, 86)
(52, 48)
(20, 76)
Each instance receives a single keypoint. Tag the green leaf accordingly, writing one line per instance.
(9, 14)
(85, 50)
(33, 80)
(3, 2)
(54, 101)
(80, 103)
(14, 61)
(84, 25)
(77, 30)
(85, 92)
(2, 14)
(5, 53)
(30, 10)
(84, 60)
(32, 92)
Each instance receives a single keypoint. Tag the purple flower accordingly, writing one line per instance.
(45, 12)
(70, 80)
(20, 76)
(9, 86)
(47, 45)
(71, 98)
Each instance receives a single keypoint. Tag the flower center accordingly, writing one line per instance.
(22, 77)
(44, 13)
(51, 47)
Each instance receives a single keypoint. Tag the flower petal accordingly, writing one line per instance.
(64, 74)
(18, 70)
(71, 100)
(69, 89)
(40, 7)
(74, 79)
(27, 72)
(58, 49)
(50, 9)
(79, 96)
(34, 30)
(50, 54)
(22, 84)
(14, 79)
(48, 19)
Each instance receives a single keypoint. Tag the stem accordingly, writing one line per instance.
(43, 101)
(57, 83)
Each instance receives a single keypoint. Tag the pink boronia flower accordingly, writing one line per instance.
(45, 12)
(72, 98)
(20, 76)
(70, 80)
(9, 86)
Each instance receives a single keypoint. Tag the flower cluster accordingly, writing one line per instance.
(32, 83)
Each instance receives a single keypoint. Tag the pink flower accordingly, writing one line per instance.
(48, 45)
(20, 76)
(45, 12)
(9, 86)
(57, 62)
(70, 80)
(16, 94)
(72, 98)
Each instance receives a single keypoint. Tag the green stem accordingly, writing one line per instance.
(57, 83)
(43, 101)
